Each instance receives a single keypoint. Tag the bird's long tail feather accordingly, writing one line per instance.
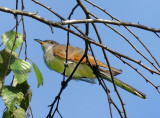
(123, 85)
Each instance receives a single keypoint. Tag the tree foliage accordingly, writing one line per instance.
(18, 94)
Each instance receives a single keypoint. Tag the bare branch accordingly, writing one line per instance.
(56, 24)
(103, 10)
(109, 22)
(86, 11)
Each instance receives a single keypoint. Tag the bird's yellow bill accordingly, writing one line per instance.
(39, 41)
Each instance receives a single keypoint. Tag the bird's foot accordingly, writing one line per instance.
(67, 64)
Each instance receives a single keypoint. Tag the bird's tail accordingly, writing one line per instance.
(123, 85)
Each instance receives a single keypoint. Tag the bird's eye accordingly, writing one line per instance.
(51, 42)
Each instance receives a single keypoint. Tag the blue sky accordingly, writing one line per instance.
(80, 99)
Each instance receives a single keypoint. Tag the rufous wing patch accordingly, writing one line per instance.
(75, 54)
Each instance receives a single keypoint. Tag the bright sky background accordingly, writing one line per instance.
(80, 99)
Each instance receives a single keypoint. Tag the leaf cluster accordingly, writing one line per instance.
(16, 96)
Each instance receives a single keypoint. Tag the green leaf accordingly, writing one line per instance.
(11, 96)
(5, 54)
(24, 88)
(1, 59)
(15, 82)
(20, 97)
(19, 113)
(20, 69)
(38, 74)
(9, 37)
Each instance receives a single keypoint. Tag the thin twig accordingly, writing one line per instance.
(10, 56)
(56, 109)
(127, 29)
(18, 24)
(49, 8)
(29, 106)
(157, 35)
(133, 47)
(1, 44)
(66, 22)
(147, 80)
(69, 17)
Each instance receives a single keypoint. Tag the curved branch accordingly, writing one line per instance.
(33, 15)
(109, 22)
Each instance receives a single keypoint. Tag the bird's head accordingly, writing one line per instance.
(47, 43)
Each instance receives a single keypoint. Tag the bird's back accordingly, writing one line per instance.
(75, 54)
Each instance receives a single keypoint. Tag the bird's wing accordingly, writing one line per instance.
(75, 54)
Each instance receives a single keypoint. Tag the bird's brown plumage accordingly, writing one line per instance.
(75, 54)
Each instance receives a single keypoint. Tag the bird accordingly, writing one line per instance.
(55, 58)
